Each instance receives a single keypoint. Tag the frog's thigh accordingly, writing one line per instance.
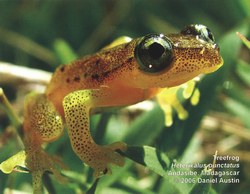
(42, 118)
(77, 106)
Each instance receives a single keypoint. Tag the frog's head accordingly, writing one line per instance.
(170, 60)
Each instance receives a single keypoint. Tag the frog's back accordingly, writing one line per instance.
(93, 71)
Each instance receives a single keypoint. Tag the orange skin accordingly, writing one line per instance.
(117, 69)
(109, 78)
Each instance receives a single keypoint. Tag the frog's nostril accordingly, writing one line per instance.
(216, 46)
(105, 171)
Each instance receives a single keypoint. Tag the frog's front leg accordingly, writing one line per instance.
(77, 106)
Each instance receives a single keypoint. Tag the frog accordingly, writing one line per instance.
(123, 73)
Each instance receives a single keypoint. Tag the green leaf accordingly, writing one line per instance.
(238, 109)
(92, 189)
(245, 4)
(243, 71)
(229, 52)
(63, 51)
(149, 157)
(244, 40)
(235, 92)
(179, 180)
(146, 128)
(117, 174)
(203, 188)
(114, 190)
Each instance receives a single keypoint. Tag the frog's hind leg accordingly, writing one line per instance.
(42, 124)
(77, 107)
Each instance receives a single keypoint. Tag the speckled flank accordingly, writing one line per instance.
(102, 67)
(76, 107)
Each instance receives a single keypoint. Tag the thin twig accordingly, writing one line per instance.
(4, 102)
(10, 73)
(218, 122)
(6, 106)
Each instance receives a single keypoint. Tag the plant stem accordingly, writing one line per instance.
(15, 121)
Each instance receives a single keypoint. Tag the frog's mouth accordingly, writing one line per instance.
(184, 77)
(214, 67)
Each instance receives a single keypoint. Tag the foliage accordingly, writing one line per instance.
(43, 34)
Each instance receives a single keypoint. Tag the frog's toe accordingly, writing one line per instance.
(40, 162)
(100, 172)
(121, 146)
(103, 156)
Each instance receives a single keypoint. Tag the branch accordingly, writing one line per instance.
(10, 73)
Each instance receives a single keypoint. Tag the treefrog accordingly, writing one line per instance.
(124, 73)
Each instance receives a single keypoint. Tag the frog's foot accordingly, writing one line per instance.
(169, 100)
(117, 146)
(101, 157)
(38, 162)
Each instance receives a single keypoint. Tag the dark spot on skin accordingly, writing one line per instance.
(107, 52)
(67, 80)
(106, 74)
(85, 75)
(62, 69)
(129, 60)
(97, 62)
(126, 46)
(77, 79)
(105, 171)
(95, 76)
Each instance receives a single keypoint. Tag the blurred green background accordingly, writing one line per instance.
(43, 34)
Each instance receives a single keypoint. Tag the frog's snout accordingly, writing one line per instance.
(216, 46)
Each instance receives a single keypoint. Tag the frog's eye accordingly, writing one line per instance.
(199, 30)
(154, 53)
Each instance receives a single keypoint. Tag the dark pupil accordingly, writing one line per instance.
(156, 50)
(154, 53)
